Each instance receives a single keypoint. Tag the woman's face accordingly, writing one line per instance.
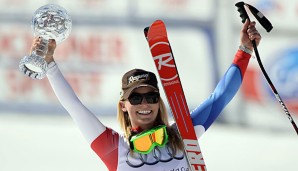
(141, 115)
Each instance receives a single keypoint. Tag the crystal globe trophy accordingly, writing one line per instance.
(50, 21)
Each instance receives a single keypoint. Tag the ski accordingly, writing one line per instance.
(161, 51)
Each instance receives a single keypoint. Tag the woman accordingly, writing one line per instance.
(149, 141)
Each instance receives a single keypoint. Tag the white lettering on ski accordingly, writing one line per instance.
(194, 154)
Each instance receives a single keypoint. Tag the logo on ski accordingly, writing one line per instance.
(165, 59)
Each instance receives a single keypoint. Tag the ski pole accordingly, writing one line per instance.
(268, 27)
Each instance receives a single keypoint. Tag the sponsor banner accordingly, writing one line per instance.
(93, 60)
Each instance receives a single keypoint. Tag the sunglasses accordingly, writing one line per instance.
(137, 98)
(145, 141)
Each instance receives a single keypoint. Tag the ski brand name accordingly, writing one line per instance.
(171, 83)
(194, 154)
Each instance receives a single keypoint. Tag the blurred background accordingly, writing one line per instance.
(252, 133)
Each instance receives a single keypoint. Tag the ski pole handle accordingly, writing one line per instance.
(242, 11)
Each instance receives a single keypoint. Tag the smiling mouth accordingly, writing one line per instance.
(144, 112)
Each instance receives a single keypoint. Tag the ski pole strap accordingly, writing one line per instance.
(245, 49)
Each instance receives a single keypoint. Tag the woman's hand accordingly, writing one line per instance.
(38, 44)
(249, 33)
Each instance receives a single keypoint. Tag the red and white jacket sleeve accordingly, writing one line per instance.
(87, 122)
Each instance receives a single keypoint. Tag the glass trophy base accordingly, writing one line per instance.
(34, 66)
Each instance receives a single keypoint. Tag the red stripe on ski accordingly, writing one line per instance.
(164, 61)
(165, 64)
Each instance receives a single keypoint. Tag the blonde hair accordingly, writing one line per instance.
(162, 119)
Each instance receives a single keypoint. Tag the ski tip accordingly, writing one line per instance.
(158, 21)
(157, 29)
